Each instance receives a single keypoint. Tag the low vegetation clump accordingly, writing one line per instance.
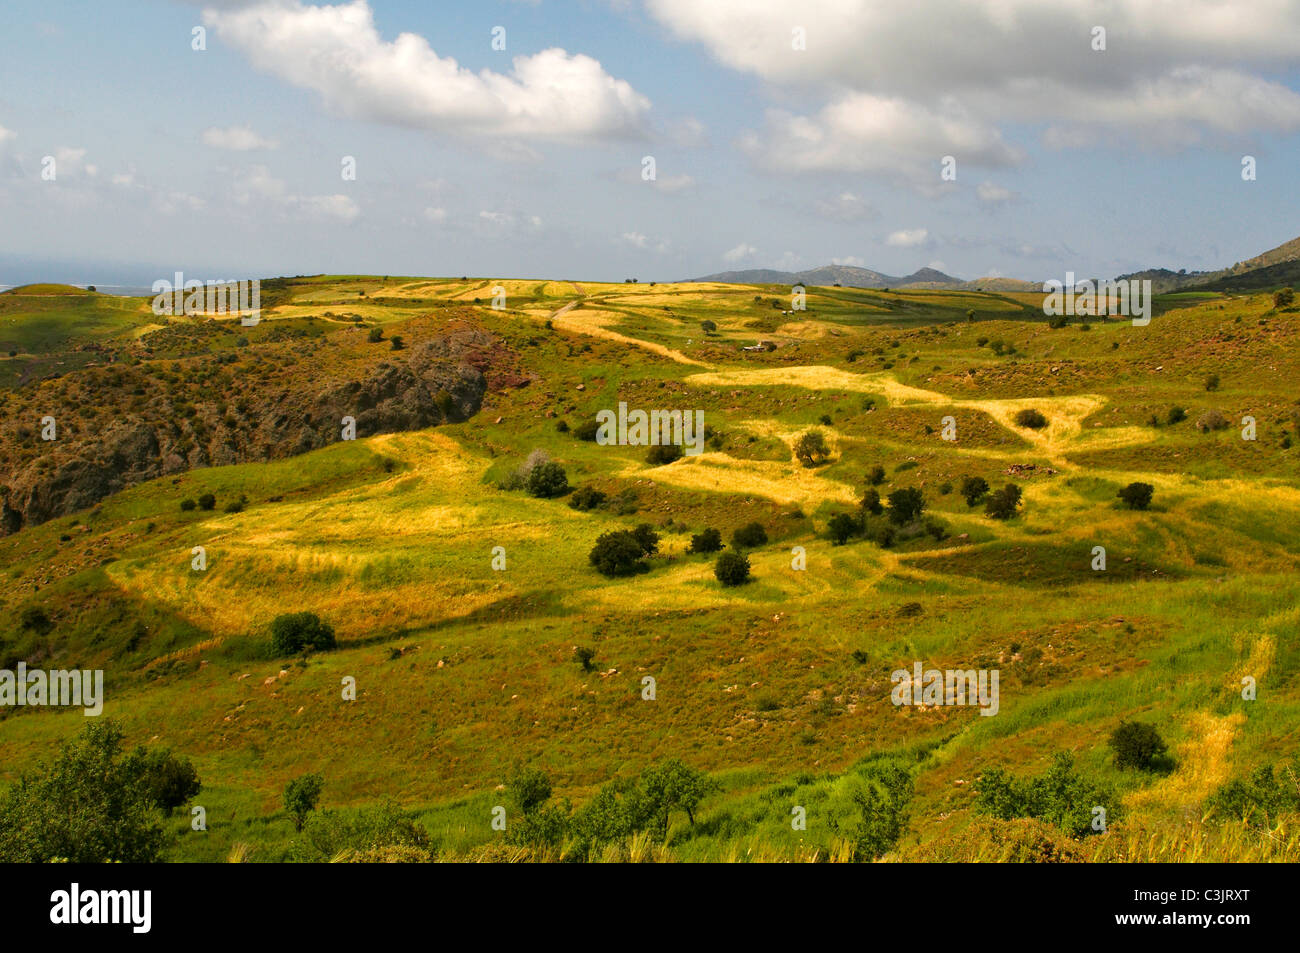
(301, 796)
(296, 632)
(1137, 496)
(1003, 504)
(811, 448)
(1137, 745)
(709, 541)
(749, 536)
(732, 569)
(1030, 418)
(1061, 797)
(663, 453)
(623, 553)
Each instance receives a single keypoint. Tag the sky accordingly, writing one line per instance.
(515, 139)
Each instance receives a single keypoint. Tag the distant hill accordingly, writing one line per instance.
(848, 276)
(44, 290)
(1273, 269)
(1280, 275)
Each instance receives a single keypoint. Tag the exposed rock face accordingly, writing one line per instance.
(433, 382)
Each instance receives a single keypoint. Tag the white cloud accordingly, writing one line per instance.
(1175, 73)
(740, 253)
(337, 52)
(236, 139)
(259, 187)
(861, 132)
(436, 215)
(845, 207)
(637, 240)
(853, 260)
(908, 238)
(991, 194)
(6, 134)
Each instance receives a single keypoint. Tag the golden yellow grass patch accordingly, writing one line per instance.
(600, 324)
(786, 483)
(1204, 763)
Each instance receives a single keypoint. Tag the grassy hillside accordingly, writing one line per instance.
(778, 689)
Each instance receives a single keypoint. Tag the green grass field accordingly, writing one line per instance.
(778, 689)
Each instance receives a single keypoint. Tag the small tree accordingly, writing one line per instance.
(709, 541)
(187, 505)
(974, 489)
(617, 553)
(870, 502)
(1137, 495)
(396, 343)
(207, 501)
(376, 335)
(708, 327)
(300, 797)
(1212, 382)
(749, 536)
(1284, 298)
(811, 448)
(1002, 504)
(876, 475)
(296, 632)
(1137, 745)
(583, 655)
(732, 569)
(905, 506)
(646, 538)
(547, 480)
(841, 527)
(169, 780)
(586, 498)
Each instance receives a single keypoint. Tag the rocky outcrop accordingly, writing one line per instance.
(433, 382)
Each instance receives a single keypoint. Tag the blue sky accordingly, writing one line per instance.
(527, 162)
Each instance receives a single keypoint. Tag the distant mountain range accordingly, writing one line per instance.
(1273, 269)
(850, 276)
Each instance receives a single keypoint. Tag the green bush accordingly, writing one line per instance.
(587, 430)
(732, 569)
(663, 453)
(974, 489)
(1004, 503)
(617, 553)
(842, 526)
(1031, 418)
(168, 780)
(709, 541)
(876, 475)
(547, 480)
(749, 536)
(586, 498)
(1137, 745)
(870, 502)
(1137, 495)
(811, 449)
(1060, 796)
(187, 505)
(300, 797)
(906, 505)
(383, 832)
(207, 501)
(296, 632)
(1268, 792)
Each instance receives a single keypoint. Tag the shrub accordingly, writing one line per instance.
(749, 536)
(562, 426)
(1284, 298)
(376, 335)
(646, 538)
(547, 480)
(35, 619)
(207, 501)
(1211, 420)
(1137, 495)
(1060, 797)
(1212, 382)
(385, 832)
(296, 632)
(617, 553)
(709, 541)
(663, 453)
(877, 810)
(876, 475)
(396, 343)
(1137, 745)
(91, 806)
(1031, 418)
(708, 327)
(300, 797)
(1268, 792)
(586, 498)
(168, 780)
(870, 502)
(732, 569)
(974, 489)
(587, 430)
(906, 505)
(811, 449)
(583, 655)
(842, 526)
(1176, 415)
(187, 505)
(1002, 504)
